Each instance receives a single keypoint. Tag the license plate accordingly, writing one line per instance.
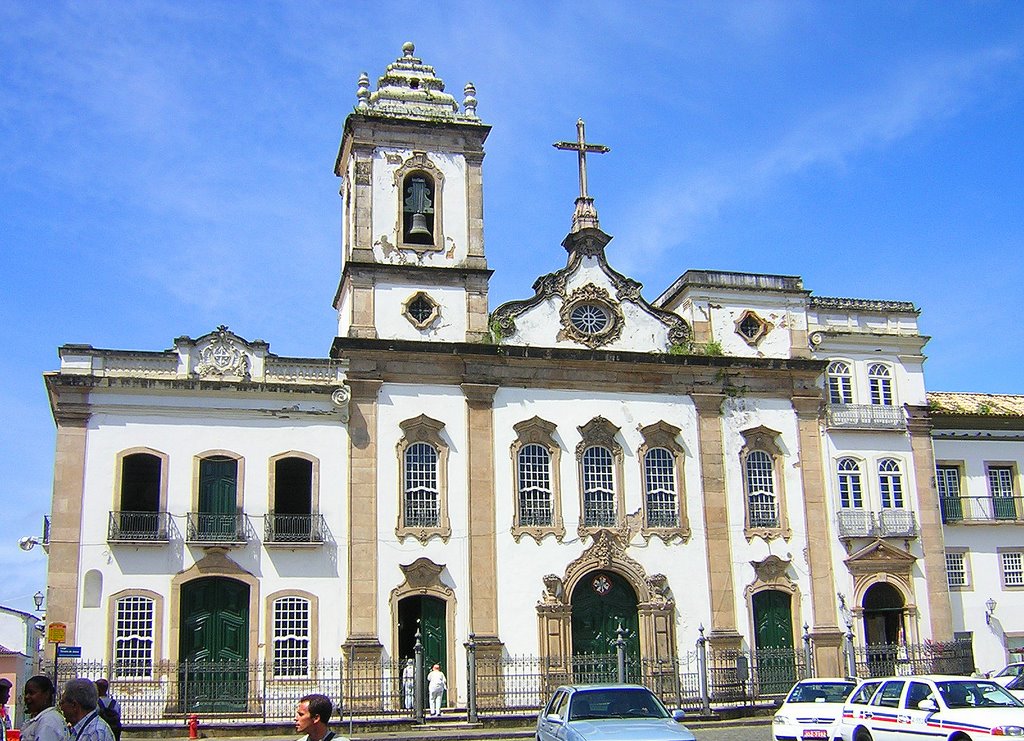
(816, 733)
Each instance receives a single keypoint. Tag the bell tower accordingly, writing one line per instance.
(412, 242)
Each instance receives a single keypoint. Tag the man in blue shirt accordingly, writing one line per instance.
(78, 704)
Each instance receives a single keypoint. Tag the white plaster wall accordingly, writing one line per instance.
(725, 312)
(18, 632)
(390, 297)
(151, 567)
(453, 203)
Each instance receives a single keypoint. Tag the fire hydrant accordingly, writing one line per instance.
(193, 726)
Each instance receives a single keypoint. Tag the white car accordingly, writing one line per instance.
(811, 709)
(932, 707)
(1009, 673)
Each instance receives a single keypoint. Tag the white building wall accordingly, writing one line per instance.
(390, 298)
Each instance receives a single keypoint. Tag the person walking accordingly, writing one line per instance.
(437, 684)
(109, 708)
(79, 703)
(44, 723)
(409, 684)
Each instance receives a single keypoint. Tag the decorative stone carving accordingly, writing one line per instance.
(423, 574)
(553, 590)
(223, 355)
(660, 592)
(771, 569)
(340, 398)
(364, 173)
(591, 294)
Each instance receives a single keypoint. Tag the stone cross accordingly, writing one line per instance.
(581, 147)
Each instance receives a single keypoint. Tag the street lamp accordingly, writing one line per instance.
(990, 607)
(38, 598)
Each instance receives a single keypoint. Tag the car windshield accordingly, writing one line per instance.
(975, 694)
(820, 692)
(1012, 670)
(626, 702)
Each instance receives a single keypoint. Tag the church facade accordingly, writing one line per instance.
(737, 456)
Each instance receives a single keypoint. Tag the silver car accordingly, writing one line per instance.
(610, 712)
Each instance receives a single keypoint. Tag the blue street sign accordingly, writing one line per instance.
(69, 652)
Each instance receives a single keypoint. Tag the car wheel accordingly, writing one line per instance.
(862, 735)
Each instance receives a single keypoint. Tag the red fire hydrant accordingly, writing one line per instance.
(193, 726)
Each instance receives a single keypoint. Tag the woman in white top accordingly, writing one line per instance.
(436, 685)
(45, 723)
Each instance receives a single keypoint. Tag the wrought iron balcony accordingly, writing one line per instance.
(293, 530)
(865, 417)
(982, 509)
(886, 523)
(139, 527)
(205, 528)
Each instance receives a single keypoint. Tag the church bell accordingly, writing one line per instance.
(419, 225)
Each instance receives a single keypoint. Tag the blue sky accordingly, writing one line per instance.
(167, 167)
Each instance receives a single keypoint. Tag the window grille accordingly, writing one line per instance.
(133, 637)
(880, 385)
(660, 480)
(422, 500)
(534, 485)
(598, 488)
(421, 309)
(840, 383)
(750, 327)
(1013, 568)
(762, 508)
(291, 637)
(890, 483)
(956, 569)
(851, 494)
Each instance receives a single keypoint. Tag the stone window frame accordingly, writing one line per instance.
(897, 476)
(239, 459)
(832, 371)
(963, 553)
(840, 472)
(1002, 552)
(886, 391)
(435, 314)
(765, 440)
(271, 626)
(591, 294)
(1006, 465)
(424, 429)
(662, 435)
(600, 432)
(314, 480)
(119, 474)
(155, 644)
(764, 327)
(961, 483)
(537, 431)
(419, 162)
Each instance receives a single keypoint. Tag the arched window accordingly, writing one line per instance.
(418, 208)
(890, 483)
(134, 637)
(840, 382)
(422, 508)
(880, 384)
(292, 628)
(140, 483)
(598, 487)
(763, 509)
(292, 516)
(534, 477)
(851, 491)
(660, 488)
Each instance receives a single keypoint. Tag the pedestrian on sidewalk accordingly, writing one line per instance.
(408, 684)
(78, 703)
(109, 708)
(437, 683)
(44, 722)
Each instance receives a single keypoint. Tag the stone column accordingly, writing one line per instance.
(825, 633)
(362, 212)
(362, 643)
(360, 285)
(483, 550)
(716, 522)
(475, 210)
(940, 612)
(62, 580)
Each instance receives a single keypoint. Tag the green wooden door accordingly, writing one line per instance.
(601, 602)
(773, 641)
(218, 487)
(214, 645)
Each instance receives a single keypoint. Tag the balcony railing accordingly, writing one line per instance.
(865, 417)
(139, 527)
(292, 530)
(982, 509)
(216, 529)
(886, 523)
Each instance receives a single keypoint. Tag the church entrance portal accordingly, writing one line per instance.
(427, 614)
(773, 640)
(213, 648)
(601, 602)
(883, 607)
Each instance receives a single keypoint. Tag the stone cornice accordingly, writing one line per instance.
(365, 273)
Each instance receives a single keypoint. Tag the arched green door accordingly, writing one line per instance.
(428, 615)
(213, 647)
(773, 641)
(601, 602)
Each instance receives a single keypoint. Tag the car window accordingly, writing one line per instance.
(820, 692)
(976, 694)
(557, 703)
(889, 695)
(915, 693)
(625, 702)
(863, 693)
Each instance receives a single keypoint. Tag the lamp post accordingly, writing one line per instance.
(990, 607)
(38, 598)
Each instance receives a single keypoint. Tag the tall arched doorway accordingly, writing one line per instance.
(428, 615)
(883, 607)
(773, 640)
(213, 646)
(602, 601)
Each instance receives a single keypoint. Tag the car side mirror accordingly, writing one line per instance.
(554, 717)
(928, 704)
(678, 715)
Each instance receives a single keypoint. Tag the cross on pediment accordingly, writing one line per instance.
(585, 214)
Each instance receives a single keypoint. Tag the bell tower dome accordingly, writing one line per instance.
(412, 241)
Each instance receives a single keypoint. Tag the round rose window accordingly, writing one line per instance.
(589, 318)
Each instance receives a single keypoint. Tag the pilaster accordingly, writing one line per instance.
(362, 213)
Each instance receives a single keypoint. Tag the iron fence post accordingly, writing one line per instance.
(418, 695)
(620, 654)
(702, 672)
(808, 655)
(851, 657)
(471, 679)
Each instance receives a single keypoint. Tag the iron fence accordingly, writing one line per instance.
(951, 657)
